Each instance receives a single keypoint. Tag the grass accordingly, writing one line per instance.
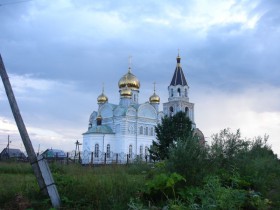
(80, 187)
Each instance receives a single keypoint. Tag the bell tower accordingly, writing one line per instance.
(178, 90)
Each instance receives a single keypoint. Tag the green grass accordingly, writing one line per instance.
(80, 187)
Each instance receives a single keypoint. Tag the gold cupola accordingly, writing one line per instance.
(102, 98)
(129, 80)
(154, 98)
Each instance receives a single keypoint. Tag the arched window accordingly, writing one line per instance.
(146, 131)
(187, 111)
(141, 130)
(96, 150)
(186, 92)
(146, 151)
(172, 93)
(171, 111)
(130, 151)
(141, 151)
(108, 151)
(179, 92)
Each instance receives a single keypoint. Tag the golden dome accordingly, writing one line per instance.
(129, 80)
(102, 98)
(126, 92)
(154, 98)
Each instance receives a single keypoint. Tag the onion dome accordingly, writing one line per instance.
(102, 98)
(154, 98)
(126, 92)
(129, 80)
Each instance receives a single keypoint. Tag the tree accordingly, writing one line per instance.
(169, 132)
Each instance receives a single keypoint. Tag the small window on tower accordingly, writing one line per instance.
(187, 111)
(171, 92)
(179, 92)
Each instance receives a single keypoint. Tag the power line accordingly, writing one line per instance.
(15, 2)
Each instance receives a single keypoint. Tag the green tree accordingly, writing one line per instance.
(169, 132)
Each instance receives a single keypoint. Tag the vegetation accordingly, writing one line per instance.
(231, 173)
(171, 130)
(80, 187)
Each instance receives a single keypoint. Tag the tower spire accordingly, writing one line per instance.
(178, 57)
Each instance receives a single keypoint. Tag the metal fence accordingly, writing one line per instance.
(100, 158)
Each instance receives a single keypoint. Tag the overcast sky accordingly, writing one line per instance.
(59, 52)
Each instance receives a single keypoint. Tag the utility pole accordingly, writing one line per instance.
(8, 146)
(39, 164)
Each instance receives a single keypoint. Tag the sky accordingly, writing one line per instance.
(58, 53)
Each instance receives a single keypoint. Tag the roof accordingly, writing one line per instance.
(50, 153)
(12, 152)
(100, 129)
(178, 76)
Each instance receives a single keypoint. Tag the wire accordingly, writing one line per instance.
(15, 2)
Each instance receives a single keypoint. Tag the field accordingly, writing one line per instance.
(80, 187)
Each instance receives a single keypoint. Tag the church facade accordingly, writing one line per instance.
(126, 130)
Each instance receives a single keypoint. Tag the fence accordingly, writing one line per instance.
(100, 158)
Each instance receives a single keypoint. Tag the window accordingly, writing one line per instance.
(151, 131)
(141, 151)
(130, 151)
(141, 130)
(179, 92)
(186, 92)
(108, 151)
(134, 96)
(146, 131)
(171, 92)
(96, 150)
(131, 129)
(187, 111)
(146, 151)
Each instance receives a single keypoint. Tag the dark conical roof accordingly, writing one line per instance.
(178, 76)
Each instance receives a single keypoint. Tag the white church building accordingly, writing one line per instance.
(124, 131)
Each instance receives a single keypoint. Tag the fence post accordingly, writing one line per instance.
(91, 159)
(67, 158)
(56, 157)
(105, 158)
(79, 157)
(127, 158)
(117, 158)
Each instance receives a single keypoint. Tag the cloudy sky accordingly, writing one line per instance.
(59, 52)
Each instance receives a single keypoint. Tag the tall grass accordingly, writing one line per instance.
(80, 187)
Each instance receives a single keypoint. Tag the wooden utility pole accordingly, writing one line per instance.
(39, 164)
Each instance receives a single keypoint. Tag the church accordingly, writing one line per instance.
(118, 132)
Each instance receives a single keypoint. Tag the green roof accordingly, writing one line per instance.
(100, 129)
